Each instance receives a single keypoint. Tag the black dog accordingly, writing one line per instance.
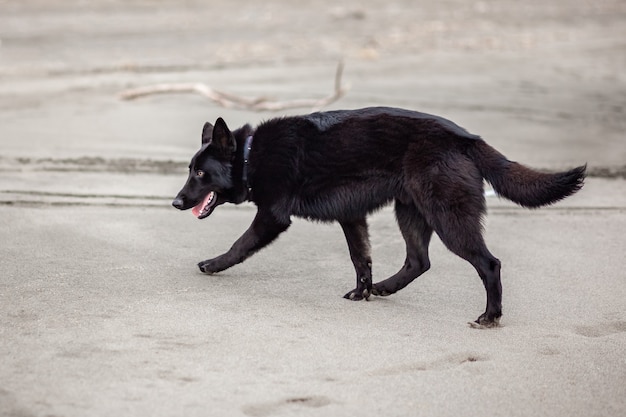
(342, 165)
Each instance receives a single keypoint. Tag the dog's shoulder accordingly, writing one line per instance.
(323, 121)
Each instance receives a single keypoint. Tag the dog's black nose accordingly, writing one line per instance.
(178, 203)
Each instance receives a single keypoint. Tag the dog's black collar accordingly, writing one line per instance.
(246, 157)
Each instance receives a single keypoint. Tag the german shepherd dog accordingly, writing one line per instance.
(343, 165)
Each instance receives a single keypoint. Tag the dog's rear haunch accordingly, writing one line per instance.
(342, 165)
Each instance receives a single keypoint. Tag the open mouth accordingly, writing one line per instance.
(205, 207)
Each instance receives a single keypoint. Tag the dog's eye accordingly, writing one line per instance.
(200, 173)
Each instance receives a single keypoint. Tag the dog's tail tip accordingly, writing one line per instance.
(538, 189)
(577, 177)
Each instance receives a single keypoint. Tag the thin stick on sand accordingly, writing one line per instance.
(235, 101)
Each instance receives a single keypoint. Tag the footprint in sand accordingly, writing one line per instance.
(601, 330)
(447, 362)
(292, 405)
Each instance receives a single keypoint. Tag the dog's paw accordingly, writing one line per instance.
(206, 267)
(357, 295)
(379, 291)
(484, 322)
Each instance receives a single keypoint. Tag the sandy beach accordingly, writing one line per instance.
(103, 311)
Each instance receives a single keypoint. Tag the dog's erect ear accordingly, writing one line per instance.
(207, 133)
(223, 140)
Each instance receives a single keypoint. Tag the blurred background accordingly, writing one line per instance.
(542, 80)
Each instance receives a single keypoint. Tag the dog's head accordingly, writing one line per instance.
(210, 181)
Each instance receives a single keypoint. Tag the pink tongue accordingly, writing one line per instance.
(197, 210)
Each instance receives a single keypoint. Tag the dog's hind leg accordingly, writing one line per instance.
(467, 242)
(263, 230)
(416, 233)
(359, 247)
(454, 209)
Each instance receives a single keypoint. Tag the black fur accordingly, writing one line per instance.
(342, 165)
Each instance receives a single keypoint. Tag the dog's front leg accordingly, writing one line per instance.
(359, 246)
(263, 230)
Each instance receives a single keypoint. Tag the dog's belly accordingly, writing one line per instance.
(343, 202)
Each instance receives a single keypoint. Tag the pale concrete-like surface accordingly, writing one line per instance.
(102, 310)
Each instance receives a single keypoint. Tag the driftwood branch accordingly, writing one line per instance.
(235, 101)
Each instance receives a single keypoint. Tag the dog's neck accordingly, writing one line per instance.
(247, 146)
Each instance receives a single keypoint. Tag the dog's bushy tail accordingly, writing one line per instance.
(522, 185)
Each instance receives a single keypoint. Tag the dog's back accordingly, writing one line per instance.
(329, 119)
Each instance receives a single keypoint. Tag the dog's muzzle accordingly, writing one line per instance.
(178, 203)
